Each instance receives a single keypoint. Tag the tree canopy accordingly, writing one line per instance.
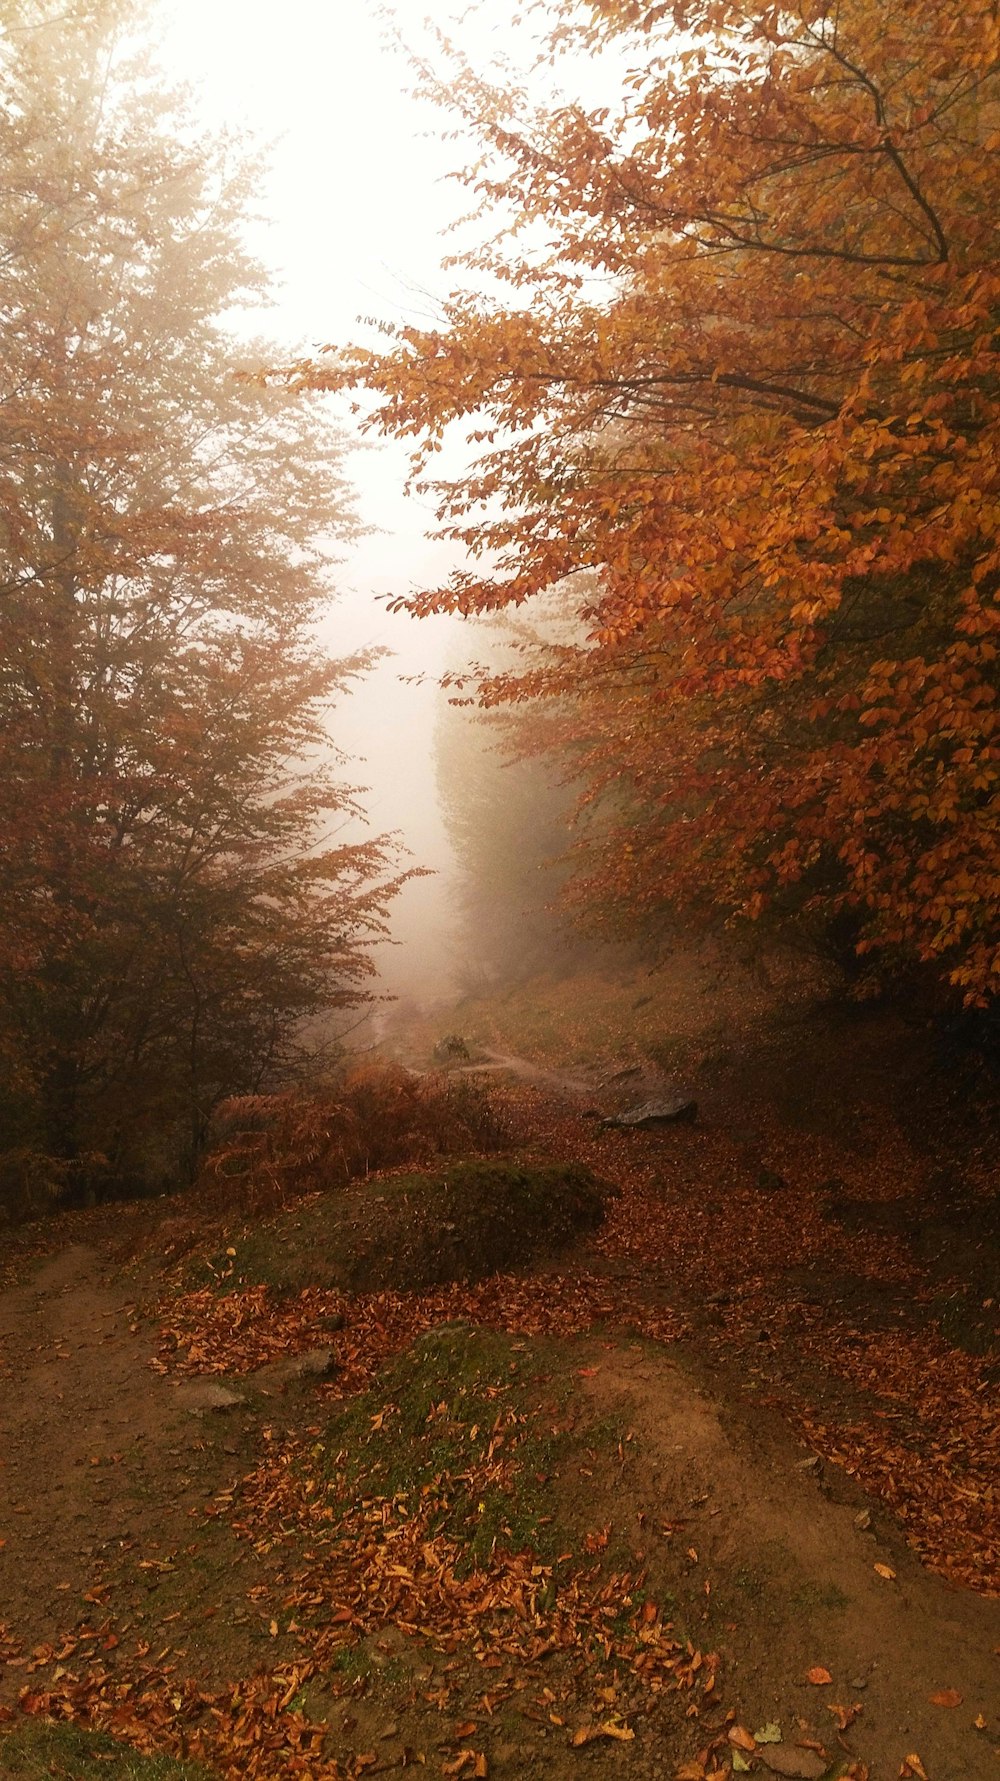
(737, 358)
(176, 902)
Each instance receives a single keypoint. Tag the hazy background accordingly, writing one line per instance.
(353, 211)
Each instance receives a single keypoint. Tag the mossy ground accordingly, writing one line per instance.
(462, 1221)
(40, 1751)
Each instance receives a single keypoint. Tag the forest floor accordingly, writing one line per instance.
(717, 1491)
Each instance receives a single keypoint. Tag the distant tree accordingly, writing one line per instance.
(176, 911)
(507, 813)
(748, 377)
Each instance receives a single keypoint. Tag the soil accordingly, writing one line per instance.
(117, 1480)
(104, 1466)
(793, 1582)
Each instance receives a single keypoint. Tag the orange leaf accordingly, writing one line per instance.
(845, 1716)
(739, 1736)
(887, 1572)
(818, 1676)
(946, 1697)
(912, 1765)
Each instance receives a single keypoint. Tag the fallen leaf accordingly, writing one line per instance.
(845, 1716)
(768, 1734)
(818, 1676)
(740, 1764)
(587, 1733)
(887, 1572)
(739, 1736)
(946, 1697)
(912, 1765)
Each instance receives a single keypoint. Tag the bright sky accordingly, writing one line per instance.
(358, 200)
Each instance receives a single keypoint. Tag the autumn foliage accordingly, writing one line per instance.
(173, 908)
(269, 1149)
(746, 377)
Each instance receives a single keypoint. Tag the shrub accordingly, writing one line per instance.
(274, 1148)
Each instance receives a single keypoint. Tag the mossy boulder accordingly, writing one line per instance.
(462, 1221)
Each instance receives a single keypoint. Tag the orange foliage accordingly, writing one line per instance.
(749, 391)
(273, 1148)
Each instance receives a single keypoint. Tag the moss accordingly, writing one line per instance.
(462, 1221)
(459, 1397)
(41, 1751)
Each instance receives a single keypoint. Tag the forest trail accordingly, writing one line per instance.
(779, 1545)
(143, 1572)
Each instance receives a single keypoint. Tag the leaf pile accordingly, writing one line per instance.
(201, 1332)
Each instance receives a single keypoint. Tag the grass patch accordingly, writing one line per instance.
(456, 1424)
(461, 1221)
(41, 1751)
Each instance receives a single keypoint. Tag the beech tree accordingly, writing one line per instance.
(747, 376)
(507, 803)
(178, 912)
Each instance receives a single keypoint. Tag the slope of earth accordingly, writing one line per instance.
(714, 1493)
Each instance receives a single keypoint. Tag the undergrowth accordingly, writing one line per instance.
(270, 1149)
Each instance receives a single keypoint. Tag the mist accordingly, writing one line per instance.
(354, 208)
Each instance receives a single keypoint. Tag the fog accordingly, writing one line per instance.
(353, 207)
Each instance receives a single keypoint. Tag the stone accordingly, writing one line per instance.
(206, 1396)
(652, 1114)
(312, 1363)
(790, 1760)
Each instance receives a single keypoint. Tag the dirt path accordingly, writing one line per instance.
(74, 1394)
(102, 1462)
(111, 1529)
(792, 1582)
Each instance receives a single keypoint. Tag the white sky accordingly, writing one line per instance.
(358, 200)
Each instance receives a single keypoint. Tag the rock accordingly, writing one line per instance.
(312, 1363)
(334, 1320)
(206, 1396)
(652, 1114)
(790, 1760)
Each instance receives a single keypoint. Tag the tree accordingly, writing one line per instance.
(507, 802)
(176, 904)
(752, 385)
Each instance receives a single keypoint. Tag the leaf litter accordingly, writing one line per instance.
(377, 1561)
